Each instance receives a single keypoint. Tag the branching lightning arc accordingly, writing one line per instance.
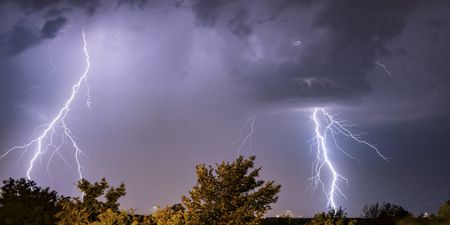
(45, 141)
(326, 127)
(384, 67)
(246, 134)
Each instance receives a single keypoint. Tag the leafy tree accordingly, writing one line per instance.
(443, 214)
(229, 194)
(110, 217)
(444, 210)
(23, 202)
(332, 217)
(385, 214)
(90, 210)
(173, 215)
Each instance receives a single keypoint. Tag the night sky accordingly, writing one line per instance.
(171, 80)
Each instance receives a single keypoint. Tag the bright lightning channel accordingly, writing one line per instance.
(45, 141)
(326, 127)
(246, 134)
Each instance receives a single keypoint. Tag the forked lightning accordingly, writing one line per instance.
(246, 134)
(326, 127)
(45, 141)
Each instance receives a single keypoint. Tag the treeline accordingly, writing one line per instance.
(375, 214)
(228, 193)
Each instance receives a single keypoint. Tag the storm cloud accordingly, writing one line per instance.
(52, 27)
(352, 35)
(48, 16)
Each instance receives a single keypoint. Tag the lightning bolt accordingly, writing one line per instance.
(246, 134)
(384, 67)
(45, 140)
(326, 127)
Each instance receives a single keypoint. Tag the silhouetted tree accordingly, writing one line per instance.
(444, 210)
(443, 214)
(90, 210)
(229, 194)
(23, 202)
(385, 214)
(332, 217)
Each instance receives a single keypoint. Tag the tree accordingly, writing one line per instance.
(332, 217)
(173, 215)
(90, 210)
(385, 213)
(443, 214)
(110, 217)
(444, 210)
(229, 194)
(23, 202)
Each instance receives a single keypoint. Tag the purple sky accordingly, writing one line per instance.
(170, 79)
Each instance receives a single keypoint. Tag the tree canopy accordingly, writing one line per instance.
(229, 193)
(385, 213)
(89, 210)
(332, 217)
(173, 215)
(23, 202)
(444, 210)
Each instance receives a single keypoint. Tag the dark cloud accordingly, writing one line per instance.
(25, 33)
(29, 6)
(280, 6)
(232, 14)
(236, 13)
(336, 67)
(56, 12)
(52, 27)
(18, 39)
(314, 81)
(239, 24)
(363, 25)
(23, 36)
(357, 33)
(439, 23)
(89, 6)
(207, 12)
(133, 3)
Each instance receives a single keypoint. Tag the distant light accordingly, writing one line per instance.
(296, 44)
(154, 209)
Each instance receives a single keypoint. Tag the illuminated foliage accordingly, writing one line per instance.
(332, 217)
(90, 210)
(173, 215)
(229, 194)
(444, 210)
